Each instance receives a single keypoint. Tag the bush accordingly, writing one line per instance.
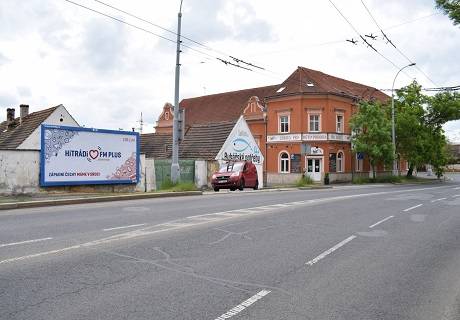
(361, 180)
(304, 181)
(384, 179)
(168, 185)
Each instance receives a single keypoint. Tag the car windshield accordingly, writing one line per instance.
(229, 167)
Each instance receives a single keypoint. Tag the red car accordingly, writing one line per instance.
(235, 175)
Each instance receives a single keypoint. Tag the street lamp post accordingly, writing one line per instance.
(175, 168)
(393, 134)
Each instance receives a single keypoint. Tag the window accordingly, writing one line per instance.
(339, 123)
(340, 162)
(284, 162)
(314, 123)
(332, 162)
(284, 124)
(166, 115)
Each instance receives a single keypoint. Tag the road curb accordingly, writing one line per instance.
(60, 202)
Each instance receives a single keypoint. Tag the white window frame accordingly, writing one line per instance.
(341, 167)
(288, 116)
(342, 124)
(310, 129)
(288, 160)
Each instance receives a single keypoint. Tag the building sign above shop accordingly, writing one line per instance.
(314, 136)
(338, 137)
(315, 151)
(297, 137)
(285, 137)
(76, 156)
(240, 145)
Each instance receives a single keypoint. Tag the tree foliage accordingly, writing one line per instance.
(451, 8)
(372, 133)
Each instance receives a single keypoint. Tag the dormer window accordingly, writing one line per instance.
(166, 115)
(280, 89)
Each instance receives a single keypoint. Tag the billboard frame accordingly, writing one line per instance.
(43, 183)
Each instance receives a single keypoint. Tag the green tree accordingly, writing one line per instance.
(419, 120)
(372, 133)
(411, 134)
(451, 8)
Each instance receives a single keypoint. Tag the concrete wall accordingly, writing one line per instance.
(201, 173)
(278, 179)
(33, 141)
(20, 173)
(339, 177)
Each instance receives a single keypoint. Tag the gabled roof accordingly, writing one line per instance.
(204, 141)
(201, 141)
(304, 80)
(227, 106)
(156, 145)
(12, 135)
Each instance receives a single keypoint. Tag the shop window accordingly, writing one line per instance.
(284, 124)
(340, 162)
(314, 123)
(332, 162)
(339, 123)
(284, 162)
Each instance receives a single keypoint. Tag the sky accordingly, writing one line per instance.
(107, 73)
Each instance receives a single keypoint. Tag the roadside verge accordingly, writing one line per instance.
(59, 202)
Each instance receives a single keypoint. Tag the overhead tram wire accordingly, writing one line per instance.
(392, 43)
(153, 33)
(182, 36)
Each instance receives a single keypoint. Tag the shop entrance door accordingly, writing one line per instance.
(314, 168)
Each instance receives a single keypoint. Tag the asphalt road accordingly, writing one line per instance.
(365, 252)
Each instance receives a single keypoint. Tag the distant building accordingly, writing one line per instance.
(23, 132)
(455, 152)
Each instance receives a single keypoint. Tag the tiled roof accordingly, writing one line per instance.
(156, 145)
(204, 141)
(201, 141)
(11, 136)
(304, 80)
(227, 106)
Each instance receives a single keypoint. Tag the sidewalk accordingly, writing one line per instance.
(56, 199)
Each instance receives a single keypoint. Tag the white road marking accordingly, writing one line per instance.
(329, 251)
(224, 214)
(234, 311)
(411, 208)
(381, 221)
(125, 227)
(456, 188)
(436, 200)
(24, 242)
(456, 196)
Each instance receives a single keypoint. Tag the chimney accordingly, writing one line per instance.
(23, 111)
(9, 115)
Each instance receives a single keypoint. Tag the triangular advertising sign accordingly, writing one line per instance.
(240, 145)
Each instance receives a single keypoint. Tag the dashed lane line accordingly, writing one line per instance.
(329, 251)
(243, 305)
(436, 200)
(125, 227)
(24, 242)
(412, 208)
(381, 221)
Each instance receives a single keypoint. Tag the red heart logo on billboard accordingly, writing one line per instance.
(93, 154)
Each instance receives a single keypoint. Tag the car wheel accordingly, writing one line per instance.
(232, 189)
(216, 189)
(257, 185)
(241, 186)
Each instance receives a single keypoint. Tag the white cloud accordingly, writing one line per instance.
(107, 73)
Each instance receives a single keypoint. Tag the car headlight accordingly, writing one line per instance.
(235, 174)
(214, 176)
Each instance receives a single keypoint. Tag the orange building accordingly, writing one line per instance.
(300, 125)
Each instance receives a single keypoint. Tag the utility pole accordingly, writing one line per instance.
(175, 168)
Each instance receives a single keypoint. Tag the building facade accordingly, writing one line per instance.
(301, 125)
